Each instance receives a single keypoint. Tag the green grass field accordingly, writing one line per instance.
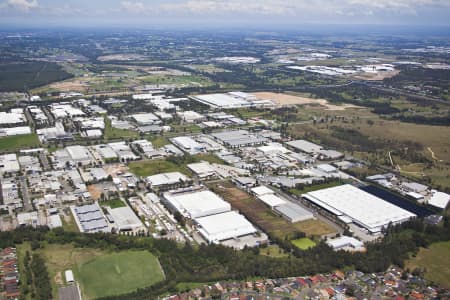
(303, 243)
(152, 167)
(99, 272)
(118, 273)
(114, 203)
(435, 260)
(157, 166)
(18, 142)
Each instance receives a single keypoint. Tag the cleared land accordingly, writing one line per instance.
(18, 142)
(285, 99)
(435, 260)
(303, 243)
(264, 217)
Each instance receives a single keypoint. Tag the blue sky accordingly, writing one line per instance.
(230, 12)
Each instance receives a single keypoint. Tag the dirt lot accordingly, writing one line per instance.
(285, 99)
(73, 85)
(95, 191)
(124, 56)
(377, 76)
(112, 169)
(264, 217)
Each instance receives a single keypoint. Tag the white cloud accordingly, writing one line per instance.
(23, 5)
(280, 8)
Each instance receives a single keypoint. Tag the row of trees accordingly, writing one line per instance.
(215, 262)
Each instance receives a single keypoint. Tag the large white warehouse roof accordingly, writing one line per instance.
(363, 208)
(224, 226)
(197, 204)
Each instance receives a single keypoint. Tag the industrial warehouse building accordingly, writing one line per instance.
(288, 210)
(166, 181)
(90, 218)
(224, 226)
(293, 212)
(364, 209)
(125, 219)
(195, 202)
(239, 138)
(188, 144)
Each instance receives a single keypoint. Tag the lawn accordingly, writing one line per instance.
(435, 260)
(101, 273)
(114, 203)
(118, 273)
(19, 142)
(303, 243)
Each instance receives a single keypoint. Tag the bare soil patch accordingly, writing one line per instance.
(285, 99)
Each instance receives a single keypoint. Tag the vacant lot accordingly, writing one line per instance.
(152, 167)
(157, 166)
(264, 217)
(18, 142)
(285, 99)
(303, 243)
(115, 133)
(435, 260)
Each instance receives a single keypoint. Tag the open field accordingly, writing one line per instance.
(285, 99)
(18, 142)
(114, 203)
(156, 166)
(273, 251)
(115, 133)
(369, 137)
(152, 167)
(435, 260)
(264, 217)
(303, 243)
(120, 273)
(100, 273)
